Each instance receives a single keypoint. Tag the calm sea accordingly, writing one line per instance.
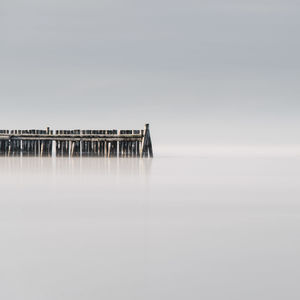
(168, 228)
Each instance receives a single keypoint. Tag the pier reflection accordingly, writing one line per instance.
(45, 168)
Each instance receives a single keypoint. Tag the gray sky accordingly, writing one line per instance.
(217, 72)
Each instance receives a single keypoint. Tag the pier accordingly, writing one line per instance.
(72, 143)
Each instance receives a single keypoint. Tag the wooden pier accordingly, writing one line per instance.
(72, 143)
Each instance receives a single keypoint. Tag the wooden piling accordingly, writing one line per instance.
(101, 143)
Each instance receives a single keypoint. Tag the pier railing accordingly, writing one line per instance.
(102, 143)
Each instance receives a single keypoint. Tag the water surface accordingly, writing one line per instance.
(167, 228)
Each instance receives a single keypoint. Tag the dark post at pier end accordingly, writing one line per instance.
(146, 143)
(99, 143)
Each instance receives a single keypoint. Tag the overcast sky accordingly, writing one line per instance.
(217, 72)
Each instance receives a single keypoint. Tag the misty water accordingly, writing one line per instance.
(167, 228)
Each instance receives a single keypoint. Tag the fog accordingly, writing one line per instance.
(215, 214)
(168, 228)
(209, 72)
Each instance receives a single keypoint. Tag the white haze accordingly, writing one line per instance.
(216, 214)
(209, 72)
(168, 228)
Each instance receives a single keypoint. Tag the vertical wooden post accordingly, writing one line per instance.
(54, 147)
(120, 148)
(80, 148)
(108, 148)
(146, 143)
(42, 148)
(105, 149)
